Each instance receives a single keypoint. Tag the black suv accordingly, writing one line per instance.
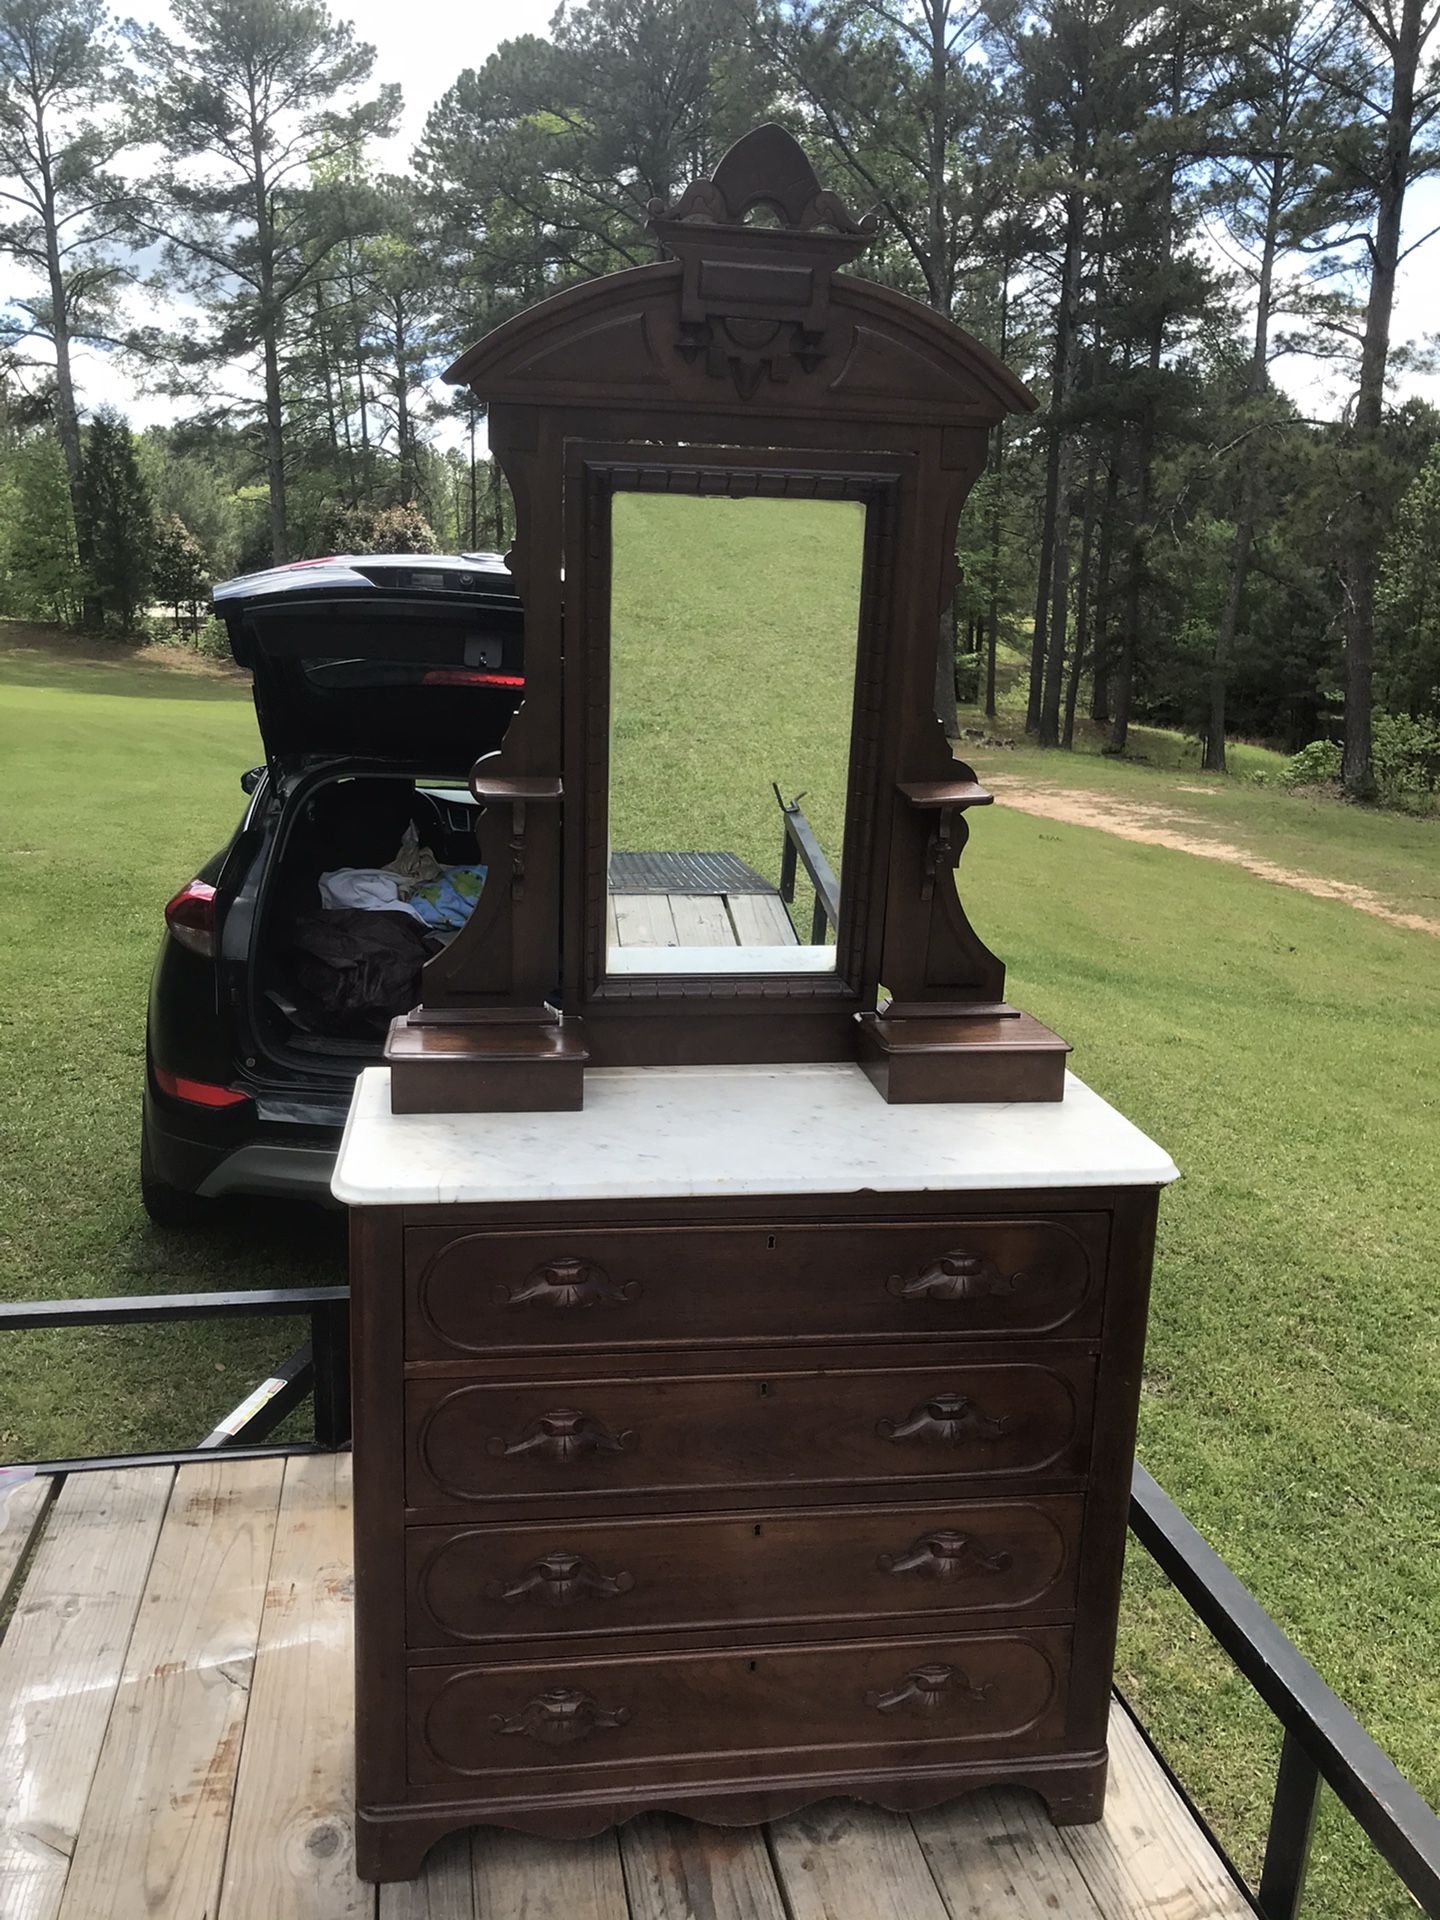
(378, 683)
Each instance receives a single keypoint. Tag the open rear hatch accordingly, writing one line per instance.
(413, 660)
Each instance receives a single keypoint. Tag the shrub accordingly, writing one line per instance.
(1405, 756)
(368, 529)
(1317, 765)
(967, 679)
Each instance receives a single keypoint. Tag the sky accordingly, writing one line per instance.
(423, 44)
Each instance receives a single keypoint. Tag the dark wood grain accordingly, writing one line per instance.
(744, 364)
(618, 1578)
(946, 1695)
(729, 1507)
(669, 1435)
(482, 1292)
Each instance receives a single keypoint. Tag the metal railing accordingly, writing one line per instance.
(799, 847)
(318, 1369)
(1323, 1741)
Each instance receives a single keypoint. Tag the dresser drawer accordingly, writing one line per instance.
(899, 1699)
(559, 1441)
(483, 1292)
(619, 1577)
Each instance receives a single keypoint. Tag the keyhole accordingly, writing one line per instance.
(758, 1532)
(754, 1666)
(770, 1242)
(764, 1388)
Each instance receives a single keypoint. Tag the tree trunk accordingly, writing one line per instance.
(1124, 684)
(997, 500)
(402, 409)
(324, 348)
(1104, 568)
(497, 504)
(1082, 609)
(270, 344)
(1360, 568)
(1043, 585)
(1065, 334)
(1213, 760)
(67, 417)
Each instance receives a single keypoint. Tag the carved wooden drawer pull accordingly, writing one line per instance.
(943, 1556)
(926, 1689)
(957, 1275)
(559, 1580)
(563, 1436)
(559, 1717)
(948, 1417)
(567, 1283)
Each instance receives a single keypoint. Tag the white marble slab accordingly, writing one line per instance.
(677, 1132)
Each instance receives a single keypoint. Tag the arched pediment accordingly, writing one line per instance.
(620, 341)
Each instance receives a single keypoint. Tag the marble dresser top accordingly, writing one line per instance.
(675, 1132)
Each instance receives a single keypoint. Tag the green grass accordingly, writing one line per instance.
(1286, 1050)
(752, 687)
(119, 779)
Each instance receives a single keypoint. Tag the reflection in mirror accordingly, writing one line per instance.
(733, 629)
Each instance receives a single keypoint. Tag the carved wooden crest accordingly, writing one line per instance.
(755, 299)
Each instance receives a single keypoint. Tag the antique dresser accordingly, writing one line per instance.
(737, 1441)
(748, 1306)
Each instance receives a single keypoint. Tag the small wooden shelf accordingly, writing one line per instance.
(929, 796)
(493, 788)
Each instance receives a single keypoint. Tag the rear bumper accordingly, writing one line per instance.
(216, 1154)
(298, 1173)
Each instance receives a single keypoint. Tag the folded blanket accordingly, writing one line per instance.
(450, 900)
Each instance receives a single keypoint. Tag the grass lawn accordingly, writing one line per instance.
(119, 778)
(1285, 1049)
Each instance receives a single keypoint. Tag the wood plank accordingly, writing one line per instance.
(292, 1849)
(22, 1510)
(701, 920)
(60, 1664)
(995, 1855)
(676, 1870)
(444, 1891)
(644, 920)
(521, 1878)
(152, 1842)
(840, 1861)
(760, 920)
(1147, 1856)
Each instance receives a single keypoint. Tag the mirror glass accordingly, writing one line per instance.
(733, 632)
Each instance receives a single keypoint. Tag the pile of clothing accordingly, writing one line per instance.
(414, 882)
(356, 960)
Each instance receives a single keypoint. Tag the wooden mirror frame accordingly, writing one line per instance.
(741, 361)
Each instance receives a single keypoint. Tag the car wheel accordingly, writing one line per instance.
(169, 1206)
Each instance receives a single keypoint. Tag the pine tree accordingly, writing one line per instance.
(39, 564)
(59, 200)
(1393, 97)
(249, 101)
(178, 574)
(119, 516)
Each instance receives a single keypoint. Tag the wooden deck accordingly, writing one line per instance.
(175, 1696)
(699, 920)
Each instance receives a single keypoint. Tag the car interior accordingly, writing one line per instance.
(339, 940)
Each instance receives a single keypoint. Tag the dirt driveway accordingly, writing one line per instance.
(1159, 825)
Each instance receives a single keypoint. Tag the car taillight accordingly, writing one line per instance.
(190, 916)
(200, 1093)
(469, 677)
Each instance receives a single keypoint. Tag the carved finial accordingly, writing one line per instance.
(766, 168)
